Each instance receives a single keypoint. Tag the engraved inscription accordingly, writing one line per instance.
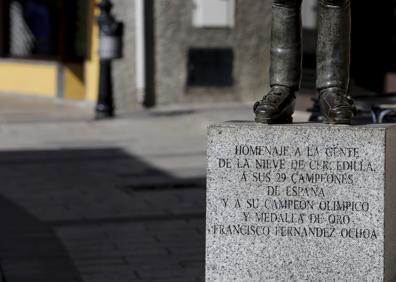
(296, 183)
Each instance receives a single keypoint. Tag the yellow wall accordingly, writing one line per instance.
(73, 77)
(30, 78)
(80, 81)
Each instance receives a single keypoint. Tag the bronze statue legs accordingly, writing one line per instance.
(285, 70)
(286, 54)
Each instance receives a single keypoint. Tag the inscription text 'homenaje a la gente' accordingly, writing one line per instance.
(296, 205)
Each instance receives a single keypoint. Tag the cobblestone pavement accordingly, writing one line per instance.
(115, 201)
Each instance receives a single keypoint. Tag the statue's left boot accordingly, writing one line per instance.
(336, 106)
(333, 61)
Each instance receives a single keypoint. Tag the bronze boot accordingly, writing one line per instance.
(285, 71)
(276, 107)
(336, 106)
(333, 60)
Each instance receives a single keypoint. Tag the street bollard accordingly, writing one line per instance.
(110, 48)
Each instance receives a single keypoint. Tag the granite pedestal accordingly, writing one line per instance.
(301, 202)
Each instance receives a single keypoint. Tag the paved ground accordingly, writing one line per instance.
(120, 200)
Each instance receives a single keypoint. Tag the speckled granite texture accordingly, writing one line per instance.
(301, 202)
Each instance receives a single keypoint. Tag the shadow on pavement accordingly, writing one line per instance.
(98, 215)
(30, 250)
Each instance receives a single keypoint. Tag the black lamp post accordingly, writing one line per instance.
(110, 48)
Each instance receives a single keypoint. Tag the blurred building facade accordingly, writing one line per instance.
(199, 58)
(47, 48)
(175, 51)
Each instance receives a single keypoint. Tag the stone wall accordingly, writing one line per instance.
(174, 35)
(124, 77)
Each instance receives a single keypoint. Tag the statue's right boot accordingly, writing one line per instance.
(333, 59)
(285, 71)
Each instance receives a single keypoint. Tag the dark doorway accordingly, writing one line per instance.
(373, 43)
(44, 29)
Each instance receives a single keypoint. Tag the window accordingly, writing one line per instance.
(210, 67)
(43, 28)
(214, 13)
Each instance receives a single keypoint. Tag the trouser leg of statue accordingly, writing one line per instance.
(286, 53)
(333, 60)
(285, 70)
